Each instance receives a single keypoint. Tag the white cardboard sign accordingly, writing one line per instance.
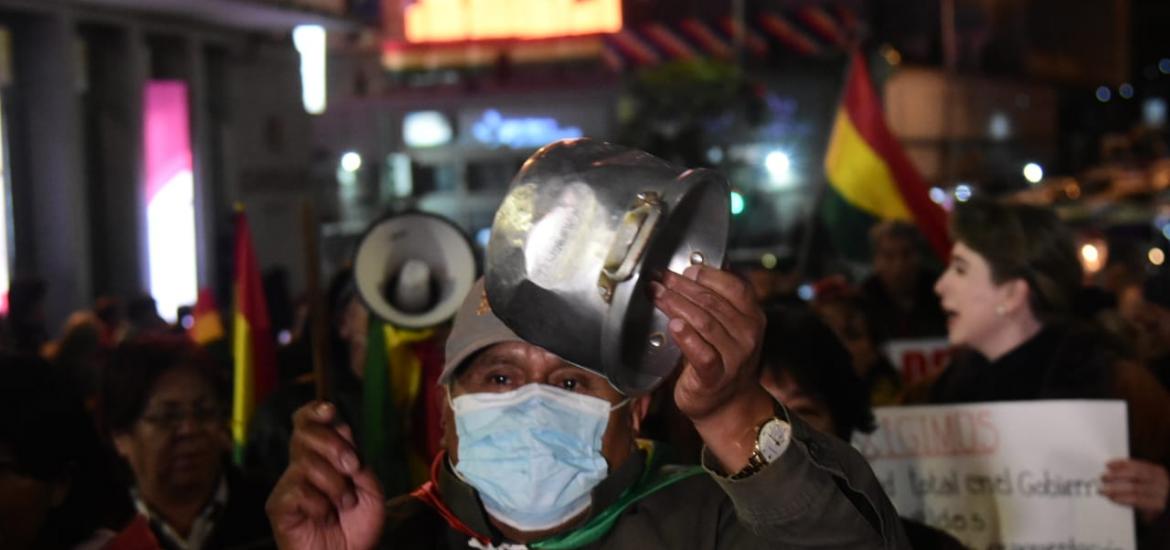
(1007, 476)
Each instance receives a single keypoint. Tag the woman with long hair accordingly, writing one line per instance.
(1009, 295)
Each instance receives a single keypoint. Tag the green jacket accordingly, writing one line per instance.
(819, 494)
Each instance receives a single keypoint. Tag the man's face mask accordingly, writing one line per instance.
(534, 453)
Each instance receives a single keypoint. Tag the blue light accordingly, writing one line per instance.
(805, 292)
(1154, 111)
(1000, 127)
(494, 130)
(1166, 231)
(737, 203)
(483, 236)
(963, 192)
(1164, 65)
(938, 196)
(1125, 90)
(715, 155)
(1103, 94)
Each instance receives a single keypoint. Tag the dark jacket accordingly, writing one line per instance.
(819, 493)
(1057, 363)
(244, 524)
(241, 523)
(1065, 362)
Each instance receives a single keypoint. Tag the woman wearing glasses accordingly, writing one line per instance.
(165, 408)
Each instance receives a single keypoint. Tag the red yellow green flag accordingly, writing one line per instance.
(870, 176)
(252, 345)
(383, 424)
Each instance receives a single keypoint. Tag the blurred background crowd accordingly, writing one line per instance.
(156, 160)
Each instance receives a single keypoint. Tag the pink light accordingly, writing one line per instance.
(168, 133)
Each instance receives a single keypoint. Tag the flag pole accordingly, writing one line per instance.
(317, 325)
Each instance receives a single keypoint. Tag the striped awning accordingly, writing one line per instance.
(808, 31)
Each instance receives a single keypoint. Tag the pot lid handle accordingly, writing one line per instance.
(630, 242)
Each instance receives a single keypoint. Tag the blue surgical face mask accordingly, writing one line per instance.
(533, 454)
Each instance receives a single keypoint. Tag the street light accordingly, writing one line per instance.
(778, 163)
(1156, 256)
(1033, 172)
(779, 166)
(1094, 252)
(351, 161)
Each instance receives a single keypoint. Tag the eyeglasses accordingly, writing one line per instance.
(171, 418)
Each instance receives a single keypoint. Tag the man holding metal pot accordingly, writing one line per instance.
(598, 285)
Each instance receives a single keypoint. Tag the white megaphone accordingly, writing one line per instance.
(412, 270)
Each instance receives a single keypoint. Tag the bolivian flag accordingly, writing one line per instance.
(870, 177)
(387, 379)
(252, 346)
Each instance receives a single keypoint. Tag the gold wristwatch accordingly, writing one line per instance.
(772, 438)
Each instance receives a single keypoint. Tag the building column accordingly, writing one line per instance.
(117, 74)
(201, 162)
(51, 221)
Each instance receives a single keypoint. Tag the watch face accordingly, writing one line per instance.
(773, 439)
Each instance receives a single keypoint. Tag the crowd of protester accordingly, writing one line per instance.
(120, 433)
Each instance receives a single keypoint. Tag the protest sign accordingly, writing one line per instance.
(918, 359)
(1010, 476)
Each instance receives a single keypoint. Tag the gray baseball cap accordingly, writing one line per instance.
(475, 328)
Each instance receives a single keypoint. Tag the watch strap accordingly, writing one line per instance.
(759, 458)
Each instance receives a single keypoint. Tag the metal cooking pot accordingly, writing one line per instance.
(584, 225)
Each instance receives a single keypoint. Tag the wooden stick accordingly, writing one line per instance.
(318, 337)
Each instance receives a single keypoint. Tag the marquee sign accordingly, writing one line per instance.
(465, 20)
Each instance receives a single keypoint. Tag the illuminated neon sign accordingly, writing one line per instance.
(461, 20)
(170, 197)
(495, 130)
